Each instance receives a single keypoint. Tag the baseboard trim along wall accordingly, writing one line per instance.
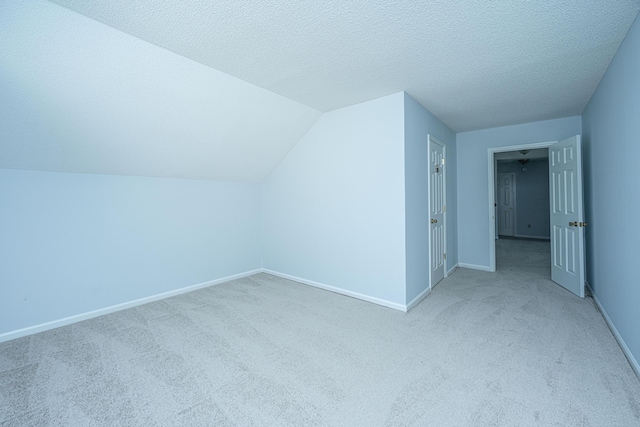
(632, 360)
(526, 236)
(102, 311)
(341, 291)
(452, 269)
(418, 299)
(474, 266)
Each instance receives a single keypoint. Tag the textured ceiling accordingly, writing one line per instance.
(474, 64)
(223, 89)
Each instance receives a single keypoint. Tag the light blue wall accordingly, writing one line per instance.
(333, 210)
(473, 181)
(532, 196)
(73, 243)
(611, 135)
(419, 123)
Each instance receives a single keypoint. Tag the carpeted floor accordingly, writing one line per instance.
(496, 349)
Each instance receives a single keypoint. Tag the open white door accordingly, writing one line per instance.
(567, 216)
(437, 210)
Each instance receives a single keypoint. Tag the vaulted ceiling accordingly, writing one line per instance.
(223, 89)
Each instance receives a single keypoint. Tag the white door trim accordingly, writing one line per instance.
(492, 185)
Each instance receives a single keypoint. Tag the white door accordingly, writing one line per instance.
(567, 217)
(437, 210)
(506, 204)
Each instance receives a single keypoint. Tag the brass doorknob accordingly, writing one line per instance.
(583, 224)
(573, 224)
(434, 221)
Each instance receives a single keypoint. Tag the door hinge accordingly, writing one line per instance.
(445, 256)
(444, 208)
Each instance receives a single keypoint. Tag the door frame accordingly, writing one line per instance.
(444, 202)
(492, 188)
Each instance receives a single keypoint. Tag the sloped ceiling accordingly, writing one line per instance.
(130, 107)
(79, 96)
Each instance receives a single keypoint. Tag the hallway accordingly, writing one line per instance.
(531, 255)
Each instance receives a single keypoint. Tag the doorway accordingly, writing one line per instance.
(496, 155)
(522, 194)
(566, 210)
(522, 198)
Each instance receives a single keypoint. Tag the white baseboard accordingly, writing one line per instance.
(474, 266)
(341, 291)
(417, 299)
(632, 360)
(523, 236)
(452, 269)
(102, 311)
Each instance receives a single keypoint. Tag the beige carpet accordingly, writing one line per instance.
(496, 349)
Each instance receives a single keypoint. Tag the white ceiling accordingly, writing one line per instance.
(474, 63)
(224, 89)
